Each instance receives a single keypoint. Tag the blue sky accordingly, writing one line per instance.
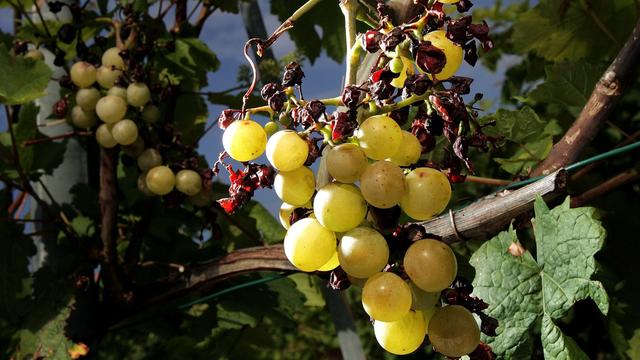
(225, 35)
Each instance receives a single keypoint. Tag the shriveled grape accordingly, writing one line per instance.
(452, 52)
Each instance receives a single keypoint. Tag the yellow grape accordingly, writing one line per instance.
(295, 187)
(386, 297)
(284, 214)
(119, 92)
(427, 193)
(125, 132)
(379, 137)
(87, 98)
(382, 184)
(138, 94)
(107, 77)
(160, 180)
(453, 331)
(448, 1)
(452, 52)
(134, 150)
(150, 114)
(83, 118)
(111, 109)
(308, 245)
(346, 162)
(111, 57)
(148, 159)
(244, 140)
(188, 182)
(423, 300)
(409, 151)
(287, 151)
(430, 264)
(339, 207)
(83, 74)
(403, 336)
(331, 264)
(363, 252)
(407, 69)
(34, 54)
(104, 137)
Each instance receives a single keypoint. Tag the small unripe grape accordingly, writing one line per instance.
(453, 331)
(379, 136)
(138, 94)
(409, 151)
(83, 74)
(119, 92)
(382, 184)
(427, 193)
(111, 109)
(83, 118)
(160, 180)
(339, 207)
(430, 264)
(363, 252)
(244, 140)
(134, 150)
(87, 98)
(112, 57)
(107, 77)
(308, 245)
(295, 187)
(386, 297)
(331, 264)
(396, 65)
(104, 137)
(35, 55)
(271, 128)
(346, 162)
(150, 114)
(407, 69)
(125, 132)
(403, 336)
(188, 182)
(286, 151)
(148, 159)
(201, 199)
(452, 52)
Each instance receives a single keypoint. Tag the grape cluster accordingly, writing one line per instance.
(374, 168)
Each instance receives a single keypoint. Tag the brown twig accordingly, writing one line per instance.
(598, 109)
(487, 181)
(203, 15)
(181, 15)
(587, 169)
(108, 198)
(56, 137)
(621, 179)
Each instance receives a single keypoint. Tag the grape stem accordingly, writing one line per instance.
(349, 10)
(626, 177)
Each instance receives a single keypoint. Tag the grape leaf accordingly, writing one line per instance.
(21, 80)
(523, 292)
(575, 34)
(634, 346)
(567, 84)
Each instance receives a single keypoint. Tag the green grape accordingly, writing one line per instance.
(134, 150)
(430, 264)
(138, 94)
(201, 199)
(295, 187)
(308, 245)
(362, 252)
(386, 297)
(407, 69)
(160, 180)
(409, 151)
(104, 137)
(427, 193)
(148, 159)
(87, 98)
(83, 118)
(244, 140)
(83, 74)
(379, 136)
(151, 114)
(453, 331)
(35, 55)
(396, 65)
(382, 184)
(287, 151)
(346, 162)
(403, 336)
(284, 119)
(119, 92)
(111, 57)
(271, 128)
(423, 300)
(142, 184)
(125, 132)
(107, 77)
(287, 209)
(331, 264)
(339, 207)
(452, 52)
(111, 109)
(188, 182)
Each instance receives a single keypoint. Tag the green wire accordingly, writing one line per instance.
(579, 164)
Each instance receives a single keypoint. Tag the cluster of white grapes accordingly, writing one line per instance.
(337, 233)
(116, 106)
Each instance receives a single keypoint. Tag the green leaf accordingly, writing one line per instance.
(567, 84)
(634, 346)
(21, 80)
(523, 292)
(575, 34)
(192, 59)
(309, 287)
(270, 229)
